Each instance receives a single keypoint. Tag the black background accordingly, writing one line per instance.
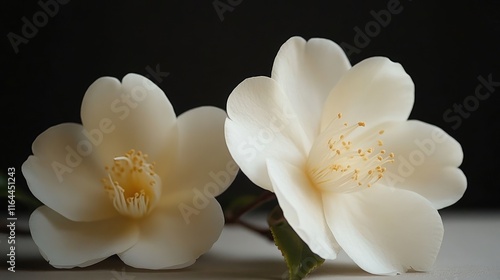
(444, 48)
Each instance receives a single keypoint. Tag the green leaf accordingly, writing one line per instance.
(298, 257)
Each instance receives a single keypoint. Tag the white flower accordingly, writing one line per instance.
(349, 170)
(133, 180)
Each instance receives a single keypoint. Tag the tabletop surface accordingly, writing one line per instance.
(470, 250)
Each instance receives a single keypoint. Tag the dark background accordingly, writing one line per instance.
(444, 48)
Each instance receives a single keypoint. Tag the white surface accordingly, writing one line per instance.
(470, 250)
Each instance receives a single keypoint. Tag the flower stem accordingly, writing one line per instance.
(235, 218)
(261, 199)
(266, 233)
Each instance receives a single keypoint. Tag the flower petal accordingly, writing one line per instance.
(442, 186)
(176, 234)
(66, 244)
(133, 115)
(374, 91)
(302, 207)
(203, 160)
(262, 125)
(65, 174)
(307, 72)
(385, 230)
(426, 161)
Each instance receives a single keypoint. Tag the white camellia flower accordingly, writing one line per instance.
(133, 180)
(349, 170)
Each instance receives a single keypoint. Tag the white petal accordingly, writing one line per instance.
(262, 125)
(307, 72)
(302, 207)
(133, 115)
(175, 235)
(426, 161)
(65, 176)
(67, 244)
(442, 186)
(374, 91)
(385, 230)
(203, 160)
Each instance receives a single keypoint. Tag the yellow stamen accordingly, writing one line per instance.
(348, 163)
(132, 185)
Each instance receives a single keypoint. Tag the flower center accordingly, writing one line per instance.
(132, 185)
(342, 163)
